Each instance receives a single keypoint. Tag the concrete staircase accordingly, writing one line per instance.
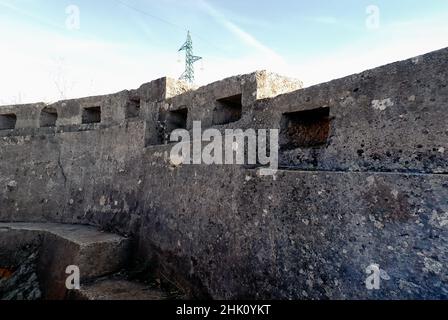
(48, 249)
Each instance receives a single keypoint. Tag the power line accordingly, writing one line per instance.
(167, 22)
(149, 14)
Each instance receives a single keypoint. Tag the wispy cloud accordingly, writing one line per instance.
(323, 20)
(242, 35)
(392, 42)
(33, 57)
(25, 13)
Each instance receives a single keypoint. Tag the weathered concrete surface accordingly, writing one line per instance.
(203, 103)
(95, 253)
(389, 119)
(114, 290)
(366, 182)
(66, 172)
(304, 235)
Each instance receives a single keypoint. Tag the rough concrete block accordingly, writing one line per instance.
(95, 253)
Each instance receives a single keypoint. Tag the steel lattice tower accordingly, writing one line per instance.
(190, 59)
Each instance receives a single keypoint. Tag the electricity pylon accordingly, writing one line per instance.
(190, 59)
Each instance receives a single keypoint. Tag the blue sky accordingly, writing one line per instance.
(121, 44)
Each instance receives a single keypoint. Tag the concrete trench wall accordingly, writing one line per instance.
(371, 189)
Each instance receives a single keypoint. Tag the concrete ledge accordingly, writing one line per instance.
(115, 290)
(95, 253)
(78, 234)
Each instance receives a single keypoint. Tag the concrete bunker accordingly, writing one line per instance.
(91, 115)
(8, 121)
(228, 110)
(305, 129)
(48, 117)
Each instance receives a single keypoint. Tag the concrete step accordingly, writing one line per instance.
(96, 253)
(118, 289)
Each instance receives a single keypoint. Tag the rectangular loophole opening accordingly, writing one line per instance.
(177, 119)
(8, 121)
(170, 121)
(305, 129)
(132, 109)
(48, 117)
(228, 110)
(91, 115)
